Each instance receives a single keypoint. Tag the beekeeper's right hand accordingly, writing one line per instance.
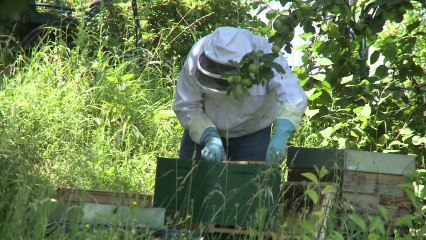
(213, 150)
(203, 131)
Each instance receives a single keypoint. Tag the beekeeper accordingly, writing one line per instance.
(220, 127)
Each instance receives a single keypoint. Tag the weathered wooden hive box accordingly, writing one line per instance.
(231, 194)
(106, 208)
(365, 179)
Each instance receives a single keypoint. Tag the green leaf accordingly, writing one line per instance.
(278, 67)
(358, 221)
(315, 96)
(301, 47)
(413, 26)
(324, 61)
(383, 139)
(337, 235)
(406, 131)
(127, 76)
(98, 121)
(334, 30)
(308, 28)
(381, 71)
(326, 133)
(341, 141)
(366, 111)
(406, 220)
(312, 195)
(417, 140)
(374, 57)
(311, 177)
(307, 226)
(384, 212)
(111, 79)
(363, 112)
(164, 114)
(373, 236)
(311, 112)
(327, 189)
(322, 172)
(271, 14)
(389, 49)
(339, 126)
(376, 224)
(110, 171)
(409, 191)
(319, 76)
(326, 86)
(347, 79)
(422, 231)
(320, 215)
(309, 93)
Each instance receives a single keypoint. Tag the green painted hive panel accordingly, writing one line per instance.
(351, 160)
(227, 194)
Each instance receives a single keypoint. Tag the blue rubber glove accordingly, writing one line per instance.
(278, 144)
(213, 150)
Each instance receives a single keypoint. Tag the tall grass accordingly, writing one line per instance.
(84, 117)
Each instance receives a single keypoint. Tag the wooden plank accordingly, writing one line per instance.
(104, 197)
(384, 184)
(325, 206)
(360, 203)
(363, 192)
(245, 162)
(251, 233)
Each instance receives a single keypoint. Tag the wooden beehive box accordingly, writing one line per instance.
(106, 208)
(104, 197)
(363, 192)
(365, 179)
(226, 194)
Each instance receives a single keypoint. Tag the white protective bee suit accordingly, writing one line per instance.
(199, 107)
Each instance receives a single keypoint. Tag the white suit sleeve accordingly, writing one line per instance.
(290, 95)
(188, 104)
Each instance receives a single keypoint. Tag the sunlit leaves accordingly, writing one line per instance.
(319, 76)
(326, 133)
(323, 61)
(375, 91)
(417, 140)
(364, 111)
(127, 76)
(347, 79)
(312, 177)
(311, 112)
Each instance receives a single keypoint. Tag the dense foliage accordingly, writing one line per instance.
(96, 115)
(364, 70)
(173, 26)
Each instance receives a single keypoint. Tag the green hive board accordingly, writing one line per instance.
(351, 160)
(237, 194)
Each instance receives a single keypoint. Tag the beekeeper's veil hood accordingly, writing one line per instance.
(226, 45)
